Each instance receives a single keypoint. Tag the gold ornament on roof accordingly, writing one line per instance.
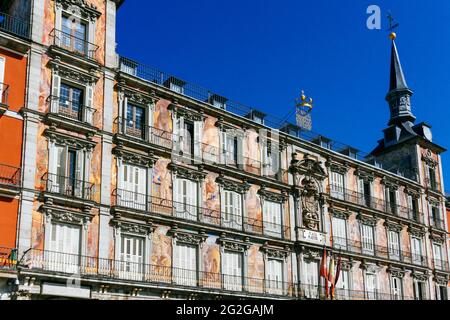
(304, 102)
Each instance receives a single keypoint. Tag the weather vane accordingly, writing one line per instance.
(392, 26)
(304, 107)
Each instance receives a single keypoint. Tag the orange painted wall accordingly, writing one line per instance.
(15, 77)
(11, 132)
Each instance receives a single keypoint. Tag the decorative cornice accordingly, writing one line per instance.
(187, 238)
(187, 113)
(134, 158)
(187, 173)
(139, 98)
(72, 74)
(308, 166)
(68, 140)
(416, 231)
(395, 272)
(338, 167)
(393, 226)
(80, 7)
(67, 216)
(367, 220)
(275, 253)
(438, 237)
(346, 265)
(420, 276)
(272, 196)
(311, 254)
(232, 245)
(390, 183)
(340, 214)
(231, 185)
(364, 175)
(412, 192)
(133, 228)
(441, 279)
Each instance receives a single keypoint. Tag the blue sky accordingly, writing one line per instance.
(262, 53)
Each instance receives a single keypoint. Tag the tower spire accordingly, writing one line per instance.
(399, 95)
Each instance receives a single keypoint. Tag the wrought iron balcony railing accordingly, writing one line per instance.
(142, 132)
(374, 250)
(69, 187)
(8, 259)
(438, 223)
(73, 110)
(10, 176)
(15, 26)
(142, 202)
(368, 201)
(138, 272)
(73, 44)
(441, 265)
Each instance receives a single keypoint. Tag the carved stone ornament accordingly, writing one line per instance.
(139, 98)
(80, 7)
(339, 214)
(66, 216)
(337, 167)
(231, 185)
(438, 237)
(310, 204)
(187, 238)
(311, 254)
(365, 175)
(395, 272)
(275, 253)
(231, 245)
(420, 276)
(133, 228)
(416, 231)
(272, 196)
(308, 166)
(72, 74)
(68, 140)
(134, 158)
(412, 192)
(370, 268)
(389, 183)
(367, 220)
(441, 280)
(346, 265)
(393, 226)
(187, 173)
(187, 113)
(427, 157)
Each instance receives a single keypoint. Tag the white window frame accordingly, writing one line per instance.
(232, 270)
(186, 197)
(371, 288)
(368, 239)
(397, 293)
(417, 251)
(343, 284)
(311, 279)
(232, 210)
(337, 185)
(438, 256)
(394, 248)
(275, 277)
(132, 264)
(135, 195)
(185, 264)
(272, 215)
(339, 233)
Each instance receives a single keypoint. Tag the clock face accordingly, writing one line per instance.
(427, 134)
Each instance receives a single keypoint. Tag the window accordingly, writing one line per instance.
(230, 148)
(185, 197)
(232, 209)
(371, 286)
(394, 244)
(416, 250)
(311, 288)
(189, 137)
(185, 265)
(135, 121)
(133, 187)
(337, 185)
(396, 288)
(413, 207)
(232, 271)
(437, 253)
(219, 104)
(271, 162)
(391, 200)
(272, 218)
(442, 292)
(420, 292)
(431, 177)
(131, 257)
(64, 248)
(71, 101)
(274, 277)
(74, 35)
(177, 88)
(339, 233)
(343, 286)
(367, 236)
(436, 216)
(365, 193)
(66, 172)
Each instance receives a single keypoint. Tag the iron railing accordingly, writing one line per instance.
(441, 265)
(139, 272)
(143, 202)
(14, 25)
(375, 250)
(69, 187)
(438, 223)
(73, 44)
(368, 201)
(10, 176)
(71, 109)
(4, 93)
(142, 132)
(8, 258)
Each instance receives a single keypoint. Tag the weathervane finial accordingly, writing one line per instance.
(392, 26)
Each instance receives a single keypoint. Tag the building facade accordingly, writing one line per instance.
(139, 185)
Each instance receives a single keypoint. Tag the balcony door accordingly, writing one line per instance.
(337, 185)
(232, 271)
(74, 35)
(340, 233)
(63, 253)
(71, 102)
(311, 286)
(397, 289)
(232, 209)
(185, 196)
(367, 237)
(371, 286)
(416, 248)
(135, 121)
(274, 277)
(134, 182)
(66, 176)
(272, 219)
(131, 258)
(343, 286)
(394, 245)
(185, 265)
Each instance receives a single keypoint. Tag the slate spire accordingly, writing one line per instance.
(399, 95)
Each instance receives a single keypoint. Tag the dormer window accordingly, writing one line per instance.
(175, 85)
(218, 101)
(256, 116)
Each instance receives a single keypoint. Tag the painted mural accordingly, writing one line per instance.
(161, 258)
(254, 209)
(255, 269)
(210, 252)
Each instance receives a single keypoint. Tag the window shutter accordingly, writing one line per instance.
(198, 135)
(56, 84)
(89, 104)
(80, 186)
(223, 147)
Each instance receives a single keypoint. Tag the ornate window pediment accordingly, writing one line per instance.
(133, 228)
(389, 183)
(308, 166)
(367, 220)
(365, 175)
(187, 113)
(231, 185)
(72, 74)
(276, 253)
(346, 265)
(438, 237)
(393, 226)
(412, 192)
(80, 8)
(395, 272)
(69, 140)
(311, 254)
(232, 245)
(187, 237)
(341, 214)
(338, 167)
(53, 214)
(442, 280)
(427, 157)
(416, 231)
(419, 276)
(272, 196)
(187, 173)
(134, 158)
(139, 98)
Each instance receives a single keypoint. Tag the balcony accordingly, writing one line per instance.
(140, 202)
(438, 223)
(68, 187)
(441, 265)
(142, 133)
(163, 276)
(377, 251)
(14, 26)
(377, 204)
(4, 92)
(10, 181)
(70, 47)
(8, 259)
